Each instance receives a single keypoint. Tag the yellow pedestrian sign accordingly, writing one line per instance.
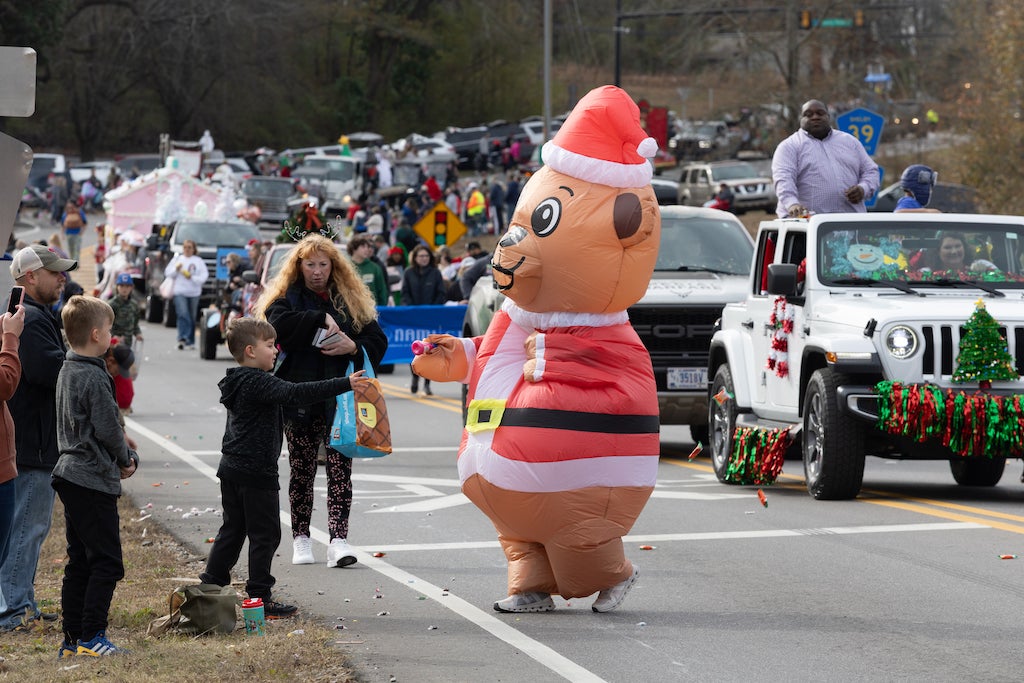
(439, 226)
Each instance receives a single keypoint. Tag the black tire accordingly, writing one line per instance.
(209, 340)
(833, 444)
(154, 308)
(721, 423)
(977, 471)
(465, 407)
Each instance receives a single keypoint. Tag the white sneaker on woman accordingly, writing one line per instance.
(339, 553)
(302, 552)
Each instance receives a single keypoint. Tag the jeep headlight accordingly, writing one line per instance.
(901, 342)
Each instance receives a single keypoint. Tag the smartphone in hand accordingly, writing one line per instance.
(17, 298)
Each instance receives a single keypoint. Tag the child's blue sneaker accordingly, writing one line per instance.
(67, 649)
(99, 647)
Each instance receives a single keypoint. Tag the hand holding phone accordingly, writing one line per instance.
(17, 298)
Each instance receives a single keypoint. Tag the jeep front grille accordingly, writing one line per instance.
(942, 345)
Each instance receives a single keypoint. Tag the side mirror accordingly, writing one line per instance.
(250, 276)
(782, 279)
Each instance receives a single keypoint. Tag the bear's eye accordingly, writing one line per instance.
(546, 216)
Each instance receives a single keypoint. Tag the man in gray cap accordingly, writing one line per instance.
(42, 273)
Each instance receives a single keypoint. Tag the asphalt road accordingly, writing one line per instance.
(904, 583)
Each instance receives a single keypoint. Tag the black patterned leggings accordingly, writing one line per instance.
(304, 439)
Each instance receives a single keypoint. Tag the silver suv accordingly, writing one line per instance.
(698, 183)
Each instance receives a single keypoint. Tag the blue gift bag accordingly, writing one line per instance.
(361, 428)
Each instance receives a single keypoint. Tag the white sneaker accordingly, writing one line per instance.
(302, 552)
(525, 602)
(339, 553)
(610, 598)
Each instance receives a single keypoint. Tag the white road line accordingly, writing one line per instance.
(715, 535)
(544, 655)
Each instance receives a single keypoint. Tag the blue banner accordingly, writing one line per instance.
(405, 324)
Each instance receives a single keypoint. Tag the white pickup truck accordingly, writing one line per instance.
(838, 303)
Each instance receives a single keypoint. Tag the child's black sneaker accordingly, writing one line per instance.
(278, 610)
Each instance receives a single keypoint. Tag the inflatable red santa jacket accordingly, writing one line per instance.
(561, 443)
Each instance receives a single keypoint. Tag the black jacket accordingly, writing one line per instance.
(34, 404)
(297, 316)
(423, 287)
(255, 428)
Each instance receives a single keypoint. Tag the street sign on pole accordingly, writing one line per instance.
(439, 226)
(865, 125)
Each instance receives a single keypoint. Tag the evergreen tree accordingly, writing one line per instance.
(983, 355)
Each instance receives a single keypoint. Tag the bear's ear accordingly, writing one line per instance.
(635, 217)
(627, 215)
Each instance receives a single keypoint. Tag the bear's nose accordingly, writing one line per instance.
(513, 236)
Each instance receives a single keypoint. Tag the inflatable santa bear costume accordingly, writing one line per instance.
(561, 443)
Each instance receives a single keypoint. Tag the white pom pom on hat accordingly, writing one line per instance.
(602, 142)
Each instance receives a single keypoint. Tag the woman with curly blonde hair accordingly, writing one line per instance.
(319, 290)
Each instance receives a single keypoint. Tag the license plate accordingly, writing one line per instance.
(687, 378)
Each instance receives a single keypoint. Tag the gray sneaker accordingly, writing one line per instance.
(525, 602)
(610, 598)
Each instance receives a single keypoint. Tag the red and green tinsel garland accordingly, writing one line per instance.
(970, 425)
(757, 455)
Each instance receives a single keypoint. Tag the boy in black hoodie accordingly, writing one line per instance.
(249, 453)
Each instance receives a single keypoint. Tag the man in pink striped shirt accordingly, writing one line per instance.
(821, 170)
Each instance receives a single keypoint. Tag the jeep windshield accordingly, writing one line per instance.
(923, 254)
(702, 243)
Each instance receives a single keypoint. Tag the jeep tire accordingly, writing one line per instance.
(833, 443)
(721, 423)
(977, 471)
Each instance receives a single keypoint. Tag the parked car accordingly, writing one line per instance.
(698, 182)
(336, 180)
(667, 191)
(704, 140)
(466, 142)
(101, 167)
(946, 197)
(704, 259)
(43, 165)
(271, 195)
(131, 166)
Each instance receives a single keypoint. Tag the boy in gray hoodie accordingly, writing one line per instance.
(250, 450)
(95, 455)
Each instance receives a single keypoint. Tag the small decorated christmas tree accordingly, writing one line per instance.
(983, 355)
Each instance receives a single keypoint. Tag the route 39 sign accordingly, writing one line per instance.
(865, 125)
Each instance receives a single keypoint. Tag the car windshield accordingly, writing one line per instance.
(922, 254)
(697, 243)
(336, 169)
(735, 171)
(406, 174)
(267, 187)
(217, 234)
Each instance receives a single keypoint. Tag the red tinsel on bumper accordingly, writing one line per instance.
(970, 425)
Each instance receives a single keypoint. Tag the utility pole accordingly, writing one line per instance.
(547, 70)
(618, 43)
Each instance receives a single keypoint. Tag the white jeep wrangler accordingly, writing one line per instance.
(840, 302)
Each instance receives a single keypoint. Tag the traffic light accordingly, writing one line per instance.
(440, 228)
(858, 18)
(805, 18)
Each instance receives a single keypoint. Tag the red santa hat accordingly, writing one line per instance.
(602, 141)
